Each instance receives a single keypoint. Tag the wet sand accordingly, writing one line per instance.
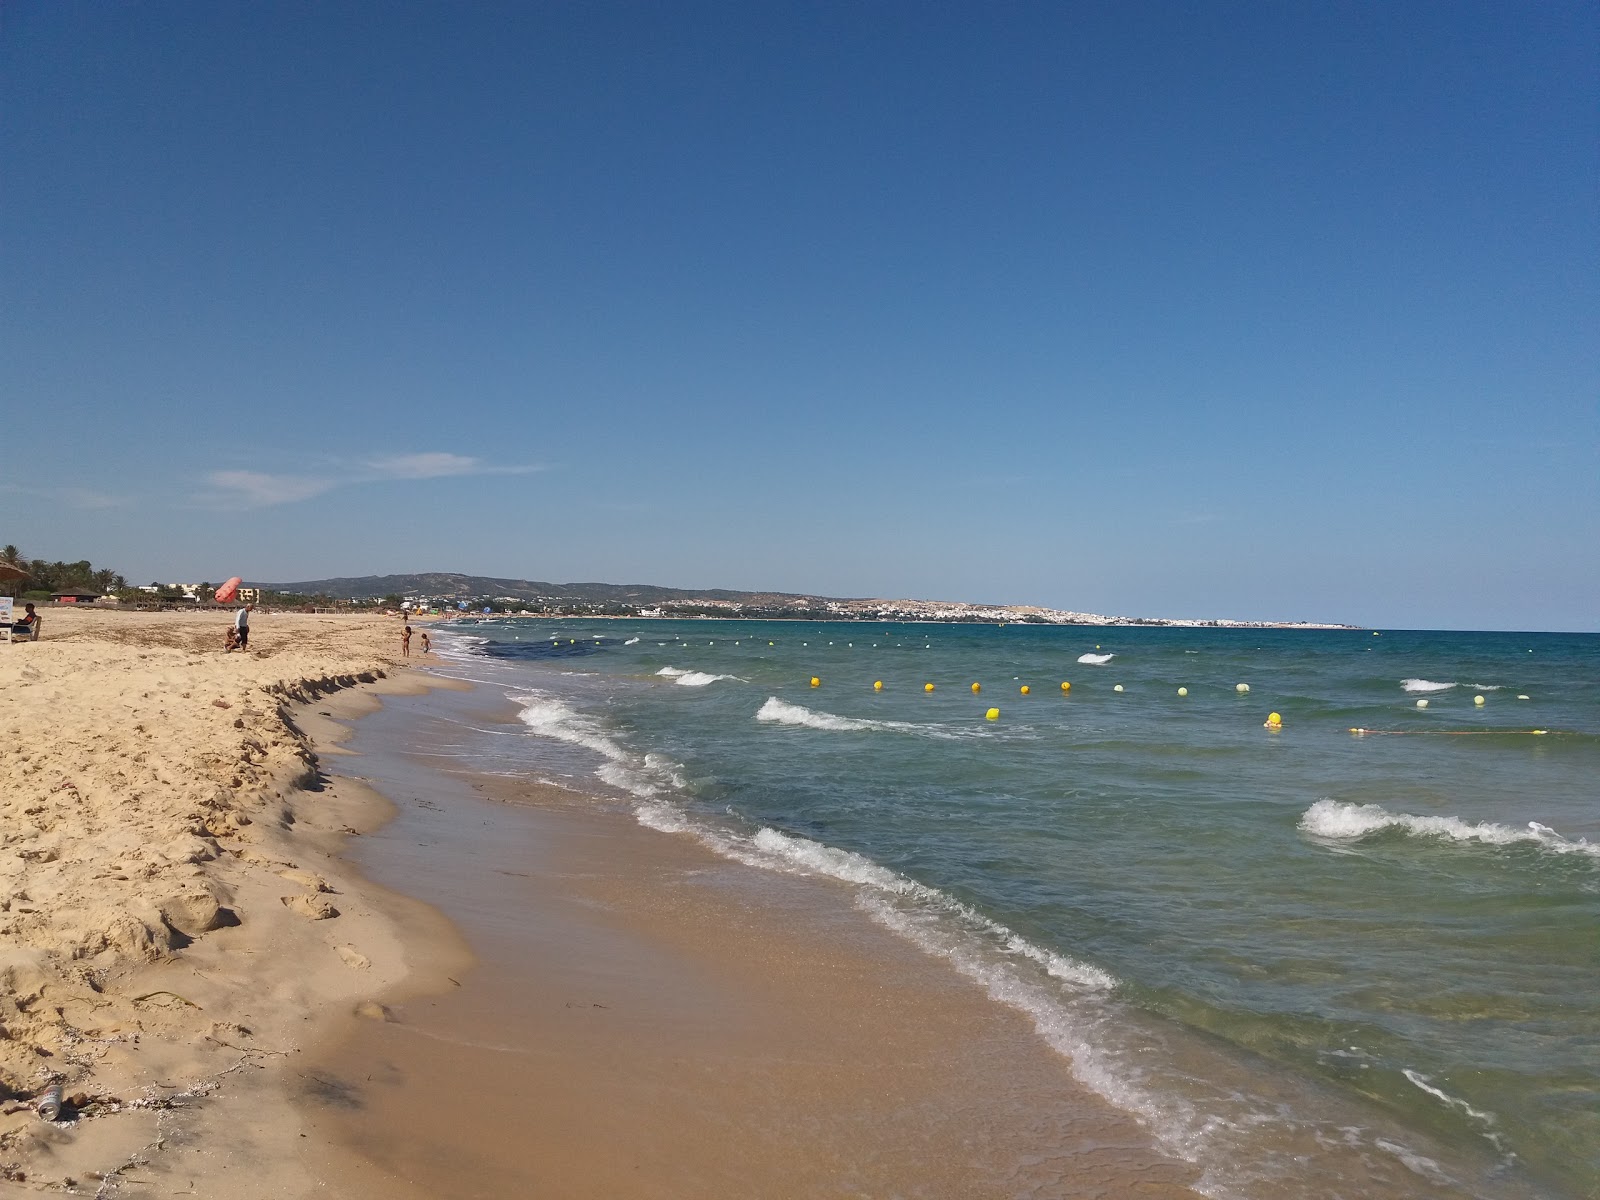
(647, 1019)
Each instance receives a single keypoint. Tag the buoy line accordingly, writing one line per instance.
(1448, 732)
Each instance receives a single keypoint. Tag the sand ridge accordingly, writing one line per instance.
(172, 916)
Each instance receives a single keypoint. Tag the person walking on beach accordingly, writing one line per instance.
(241, 625)
(405, 642)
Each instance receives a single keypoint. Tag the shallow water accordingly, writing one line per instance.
(1310, 959)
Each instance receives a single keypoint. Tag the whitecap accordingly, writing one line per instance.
(1338, 821)
(691, 678)
(781, 712)
(631, 641)
(1426, 685)
(1096, 660)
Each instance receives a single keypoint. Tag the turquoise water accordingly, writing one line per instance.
(1314, 962)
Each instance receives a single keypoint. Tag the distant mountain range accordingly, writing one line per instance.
(447, 589)
(449, 586)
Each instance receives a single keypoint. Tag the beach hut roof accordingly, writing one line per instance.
(75, 592)
(10, 571)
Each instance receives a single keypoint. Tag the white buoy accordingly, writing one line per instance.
(1422, 704)
(1242, 688)
(1118, 688)
(1521, 697)
(1183, 691)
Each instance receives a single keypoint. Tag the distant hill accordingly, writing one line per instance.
(624, 599)
(449, 586)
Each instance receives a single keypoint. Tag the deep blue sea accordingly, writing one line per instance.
(1315, 962)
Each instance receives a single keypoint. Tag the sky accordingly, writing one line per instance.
(1244, 310)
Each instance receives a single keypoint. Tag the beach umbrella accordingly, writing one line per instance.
(9, 572)
(228, 590)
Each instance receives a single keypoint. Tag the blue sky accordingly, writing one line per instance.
(1246, 310)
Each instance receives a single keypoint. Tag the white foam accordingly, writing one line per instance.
(781, 712)
(1339, 821)
(1426, 685)
(640, 776)
(691, 678)
(631, 641)
(1096, 660)
(1486, 1120)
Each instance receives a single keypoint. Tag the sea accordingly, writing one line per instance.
(1353, 952)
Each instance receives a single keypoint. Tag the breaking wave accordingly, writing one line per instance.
(1096, 660)
(781, 712)
(691, 678)
(641, 775)
(1338, 821)
(1426, 685)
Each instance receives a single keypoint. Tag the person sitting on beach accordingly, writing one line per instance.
(405, 642)
(231, 641)
(26, 626)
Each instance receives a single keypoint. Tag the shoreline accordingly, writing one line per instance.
(650, 1018)
(176, 922)
(772, 1038)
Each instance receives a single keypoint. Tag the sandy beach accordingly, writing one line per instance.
(174, 923)
(563, 1002)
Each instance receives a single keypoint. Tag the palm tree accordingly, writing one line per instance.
(12, 555)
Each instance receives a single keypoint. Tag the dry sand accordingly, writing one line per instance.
(182, 951)
(172, 917)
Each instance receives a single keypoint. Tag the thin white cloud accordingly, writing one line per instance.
(436, 465)
(260, 489)
(439, 465)
(256, 489)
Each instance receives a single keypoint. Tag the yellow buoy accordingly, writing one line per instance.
(1478, 700)
(1183, 691)
(1024, 689)
(1274, 721)
(927, 687)
(815, 682)
(976, 688)
(1065, 686)
(877, 685)
(993, 714)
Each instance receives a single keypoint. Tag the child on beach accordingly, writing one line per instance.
(425, 643)
(405, 643)
(231, 641)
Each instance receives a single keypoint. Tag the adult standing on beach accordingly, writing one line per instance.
(241, 625)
